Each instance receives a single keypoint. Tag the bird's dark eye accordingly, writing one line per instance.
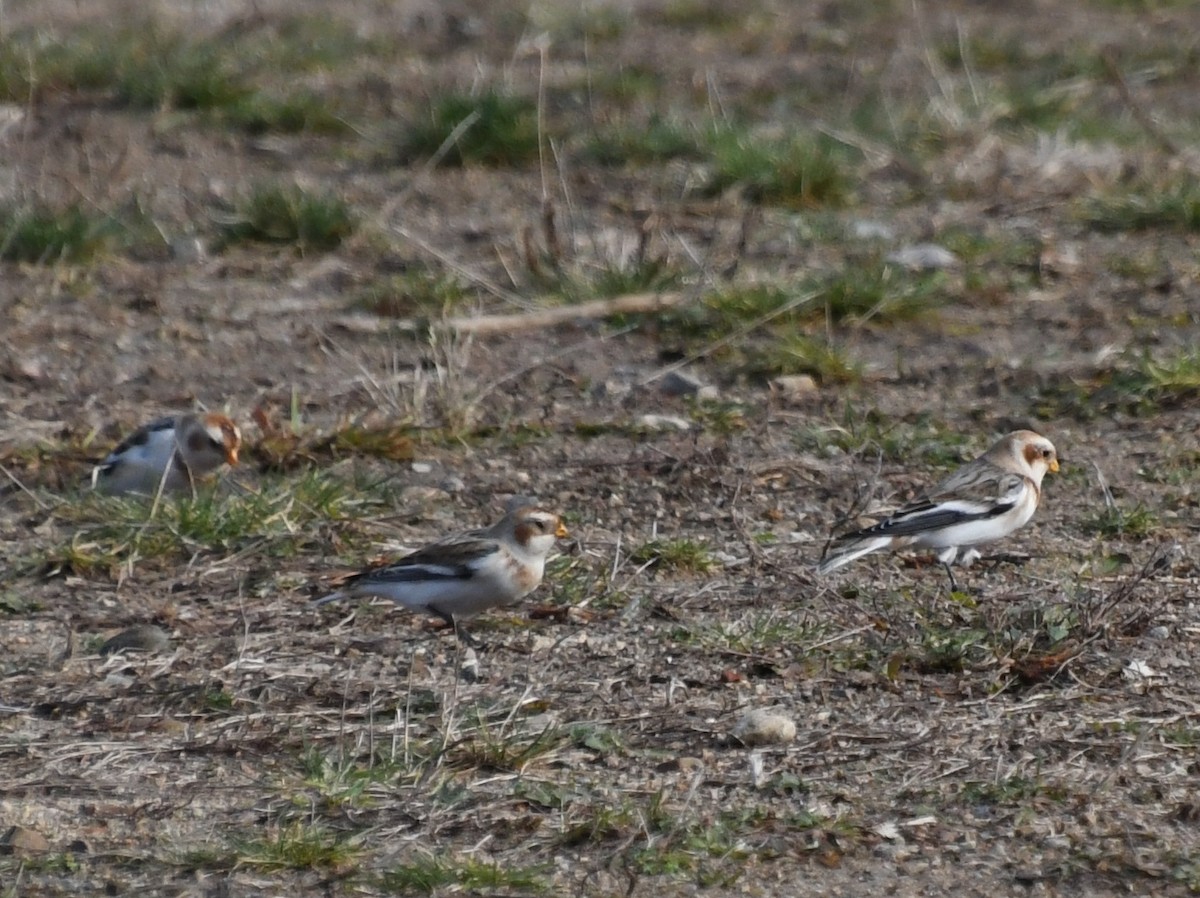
(539, 523)
(1046, 453)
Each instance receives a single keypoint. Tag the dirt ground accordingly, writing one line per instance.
(1034, 734)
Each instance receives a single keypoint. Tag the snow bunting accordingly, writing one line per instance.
(982, 501)
(461, 575)
(169, 454)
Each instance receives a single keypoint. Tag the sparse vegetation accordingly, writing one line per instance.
(290, 215)
(497, 129)
(677, 555)
(797, 172)
(1174, 205)
(45, 236)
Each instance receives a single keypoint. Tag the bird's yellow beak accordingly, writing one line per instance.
(561, 532)
(231, 456)
(1054, 465)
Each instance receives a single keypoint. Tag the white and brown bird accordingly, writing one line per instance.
(984, 500)
(461, 575)
(170, 454)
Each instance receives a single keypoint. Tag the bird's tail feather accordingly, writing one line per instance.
(843, 555)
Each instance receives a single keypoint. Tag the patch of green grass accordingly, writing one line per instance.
(297, 113)
(1174, 205)
(500, 747)
(42, 235)
(753, 633)
(291, 215)
(796, 172)
(636, 275)
(676, 555)
(626, 87)
(719, 416)
(1013, 790)
(503, 131)
(299, 846)
(426, 875)
(802, 354)
(108, 534)
(658, 140)
(1114, 522)
(149, 66)
(879, 291)
(919, 440)
(707, 15)
(596, 23)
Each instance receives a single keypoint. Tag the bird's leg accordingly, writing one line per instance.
(459, 630)
(466, 638)
(950, 574)
(946, 557)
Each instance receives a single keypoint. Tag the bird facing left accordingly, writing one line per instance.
(461, 575)
(169, 454)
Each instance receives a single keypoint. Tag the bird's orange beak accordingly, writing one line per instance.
(561, 532)
(231, 455)
(1054, 465)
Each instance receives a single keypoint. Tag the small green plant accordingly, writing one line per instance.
(502, 130)
(1171, 206)
(659, 140)
(880, 292)
(802, 354)
(42, 235)
(426, 875)
(1115, 522)
(297, 113)
(298, 846)
(290, 215)
(797, 172)
(677, 555)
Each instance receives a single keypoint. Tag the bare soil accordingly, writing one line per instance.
(1035, 737)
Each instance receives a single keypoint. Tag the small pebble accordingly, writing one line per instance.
(795, 387)
(865, 229)
(664, 422)
(679, 383)
(453, 484)
(923, 257)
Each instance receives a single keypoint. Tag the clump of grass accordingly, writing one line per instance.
(804, 354)
(1142, 207)
(677, 555)
(111, 533)
(797, 172)
(1115, 522)
(307, 113)
(659, 140)
(878, 291)
(709, 15)
(299, 846)
(175, 73)
(503, 130)
(291, 215)
(43, 235)
(426, 875)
